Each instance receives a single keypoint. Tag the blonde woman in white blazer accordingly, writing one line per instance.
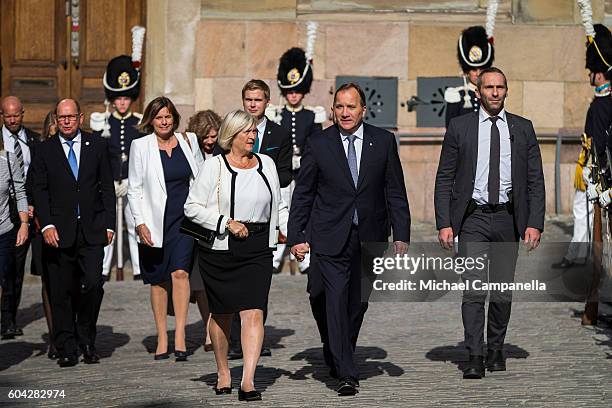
(163, 165)
(237, 194)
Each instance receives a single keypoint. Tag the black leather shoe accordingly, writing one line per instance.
(180, 355)
(249, 395)
(347, 386)
(68, 361)
(162, 356)
(564, 264)
(496, 361)
(53, 355)
(234, 353)
(222, 390)
(265, 351)
(89, 355)
(8, 333)
(475, 368)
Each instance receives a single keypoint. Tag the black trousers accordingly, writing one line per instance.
(335, 299)
(11, 296)
(493, 236)
(75, 290)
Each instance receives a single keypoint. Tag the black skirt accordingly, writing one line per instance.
(238, 279)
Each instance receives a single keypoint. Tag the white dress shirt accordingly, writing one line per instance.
(261, 129)
(76, 146)
(481, 184)
(358, 144)
(9, 145)
(252, 201)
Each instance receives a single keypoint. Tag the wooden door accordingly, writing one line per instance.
(37, 64)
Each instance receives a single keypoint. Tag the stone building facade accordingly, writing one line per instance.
(200, 53)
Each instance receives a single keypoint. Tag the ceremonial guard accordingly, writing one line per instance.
(122, 87)
(294, 79)
(475, 52)
(597, 127)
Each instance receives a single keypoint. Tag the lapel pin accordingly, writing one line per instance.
(86, 143)
(371, 144)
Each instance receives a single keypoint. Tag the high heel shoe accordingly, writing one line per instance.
(161, 356)
(248, 395)
(180, 355)
(222, 390)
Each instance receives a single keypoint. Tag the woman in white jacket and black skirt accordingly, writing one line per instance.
(237, 198)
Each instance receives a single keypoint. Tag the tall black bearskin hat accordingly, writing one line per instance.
(294, 72)
(599, 51)
(121, 78)
(474, 50)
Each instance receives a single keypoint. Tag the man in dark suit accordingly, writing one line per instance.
(274, 141)
(350, 189)
(489, 188)
(74, 198)
(21, 142)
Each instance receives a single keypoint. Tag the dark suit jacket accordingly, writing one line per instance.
(325, 196)
(457, 172)
(277, 145)
(57, 193)
(33, 140)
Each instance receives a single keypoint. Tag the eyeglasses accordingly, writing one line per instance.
(69, 118)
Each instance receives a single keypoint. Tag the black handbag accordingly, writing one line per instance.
(195, 230)
(12, 200)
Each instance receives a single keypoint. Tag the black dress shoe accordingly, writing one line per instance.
(564, 264)
(89, 355)
(180, 355)
(53, 355)
(222, 390)
(68, 361)
(496, 361)
(265, 351)
(475, 368)
(8, 333)
(234, 353)
(162, 356)
(347, 386)
(249, 395)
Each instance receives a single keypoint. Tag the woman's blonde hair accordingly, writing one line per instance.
(234, 123)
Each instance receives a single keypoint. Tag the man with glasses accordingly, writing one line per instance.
(74, 196)
(21, 142)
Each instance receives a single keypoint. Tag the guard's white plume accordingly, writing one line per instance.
(491, 13)
(586, 12)
(138, 34)
(311, 32)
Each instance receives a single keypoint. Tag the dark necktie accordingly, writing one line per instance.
(352, 163)
(18, 152)
(494, 162)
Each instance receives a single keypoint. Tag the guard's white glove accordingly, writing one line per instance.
(121, 188)
(592, 192)
(605, 199)
(586, 175)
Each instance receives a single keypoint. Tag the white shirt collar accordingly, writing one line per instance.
(8, 133)
(262, 126)
(77, 138)
(358, 133)
(483, 115)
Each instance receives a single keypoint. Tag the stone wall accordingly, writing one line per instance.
(202, 56)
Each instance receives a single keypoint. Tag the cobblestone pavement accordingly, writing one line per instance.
(408, 355)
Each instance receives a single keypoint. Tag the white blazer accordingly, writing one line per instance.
(204, 208)
(147, 186)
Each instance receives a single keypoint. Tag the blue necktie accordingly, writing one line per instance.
(74, 166)
(352, 162)
(256, 144)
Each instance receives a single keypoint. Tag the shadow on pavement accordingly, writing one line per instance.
(273, 336)
(107, 341)
(194, 337)
(30, 314)
(367, 360)
(264, 377)
(603, 328)
(459, 356)
(14, 352)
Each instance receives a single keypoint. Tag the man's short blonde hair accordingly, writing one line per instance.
(234, 123)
